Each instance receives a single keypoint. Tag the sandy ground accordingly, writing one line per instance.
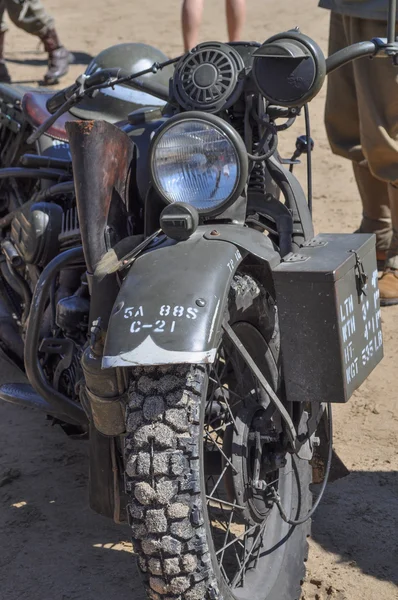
(51, 546)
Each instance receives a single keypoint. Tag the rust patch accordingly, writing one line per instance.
(85, 127)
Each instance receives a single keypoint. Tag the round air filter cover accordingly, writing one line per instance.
(210, 78)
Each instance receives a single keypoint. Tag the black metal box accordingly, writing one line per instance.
(329, 316)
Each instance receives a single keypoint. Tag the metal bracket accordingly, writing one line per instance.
(307, 432)
(314, 243)
(246, 239)
(296, 258)
(386, 48)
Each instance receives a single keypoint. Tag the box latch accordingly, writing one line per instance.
(360, 275)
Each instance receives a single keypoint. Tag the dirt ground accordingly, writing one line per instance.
(51, 546)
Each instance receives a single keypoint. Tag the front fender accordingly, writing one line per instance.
(172, 302)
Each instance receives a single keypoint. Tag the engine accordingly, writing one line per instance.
(40, 230)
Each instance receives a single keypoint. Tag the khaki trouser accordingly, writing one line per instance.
(361, 120)
(28, 15)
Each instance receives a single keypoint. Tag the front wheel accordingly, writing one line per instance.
(203, 453)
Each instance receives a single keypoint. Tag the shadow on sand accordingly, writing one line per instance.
(358, 521)
(80, 58)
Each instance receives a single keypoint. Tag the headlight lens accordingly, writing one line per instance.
(196, 162)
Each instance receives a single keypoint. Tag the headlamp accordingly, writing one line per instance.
(199, 159)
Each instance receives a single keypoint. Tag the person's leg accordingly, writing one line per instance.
(344, 133)
(236, 15)
(377, 90)
(32, 18)
(388, 284)
(4, 75)
(376, 215)
(191, 18)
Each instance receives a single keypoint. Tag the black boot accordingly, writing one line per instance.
(59, 57)
(4, 75)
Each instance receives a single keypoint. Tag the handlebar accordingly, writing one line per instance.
(101, 77)
(115, 76)
(56, 101)
(346, 55)
(150, 87)
(147, 86)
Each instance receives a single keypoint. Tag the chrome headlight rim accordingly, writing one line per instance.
(229, 132)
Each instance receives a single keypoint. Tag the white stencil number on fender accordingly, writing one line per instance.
(169, 316)
(160, 325)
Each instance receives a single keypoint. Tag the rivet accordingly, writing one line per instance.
(201, 302)
(214, 232)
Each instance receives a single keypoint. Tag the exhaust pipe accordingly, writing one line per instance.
(22, 394)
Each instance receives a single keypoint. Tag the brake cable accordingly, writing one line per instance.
(277, 499)
(290, 428)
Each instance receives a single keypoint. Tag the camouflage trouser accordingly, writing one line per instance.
(362, 125)
(28, 15)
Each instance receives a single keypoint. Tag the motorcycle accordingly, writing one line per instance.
(164, 296)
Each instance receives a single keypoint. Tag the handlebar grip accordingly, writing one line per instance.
(56, 101)
(103, 75)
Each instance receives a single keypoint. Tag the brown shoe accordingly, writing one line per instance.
(388, 286)
(59, 57)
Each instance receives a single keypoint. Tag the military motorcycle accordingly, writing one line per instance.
(163, 295)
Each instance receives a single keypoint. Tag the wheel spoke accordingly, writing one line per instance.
(208, 436)
(244, 554)
(224, 573)
(240, 398)
(249, 554)
(224, 502)
(239, 537)
(222, 427)
(218, 481)
(227, 405)
(227, 532)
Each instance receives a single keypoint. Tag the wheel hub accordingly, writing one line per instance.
(252, 444)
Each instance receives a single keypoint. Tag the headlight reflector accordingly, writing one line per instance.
(198, 161)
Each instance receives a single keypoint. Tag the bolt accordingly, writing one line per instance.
(260, 484)
(201, 302)
(214, 232)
